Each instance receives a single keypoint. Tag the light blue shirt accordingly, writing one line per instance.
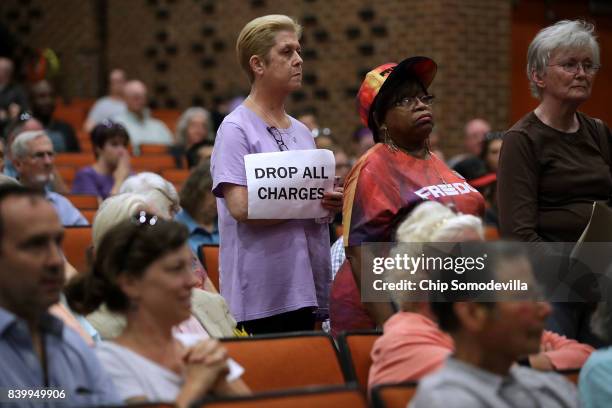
(68, 213)
(595, 379)
(144, 130)
(71, 365)
(197, 234)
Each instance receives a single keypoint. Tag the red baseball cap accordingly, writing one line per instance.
(381, 78)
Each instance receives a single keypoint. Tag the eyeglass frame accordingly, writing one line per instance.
(409, 101)
(592, 70)
(279, 142)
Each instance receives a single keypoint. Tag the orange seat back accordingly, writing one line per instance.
(153, 149)
(76, 160)
(155, 164)
(338, 398)
(209, 255)
(83, 201)
(67, 173)
(175, 176)
(355, 349)
(393, 395)
(89, 214)
(277, 362)
(77, 241)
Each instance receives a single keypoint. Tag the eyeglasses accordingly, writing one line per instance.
(573, 67)
(144, 218)
(278, 138)
(42, 155)
(408, 101)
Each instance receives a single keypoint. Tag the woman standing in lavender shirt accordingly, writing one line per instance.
(274, 273)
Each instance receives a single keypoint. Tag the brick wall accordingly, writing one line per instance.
(184, 51)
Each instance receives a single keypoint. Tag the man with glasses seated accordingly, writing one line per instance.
(33, 158)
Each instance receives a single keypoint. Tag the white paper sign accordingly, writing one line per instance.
(289, 185)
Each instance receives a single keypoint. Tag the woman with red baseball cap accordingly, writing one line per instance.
(391, 179)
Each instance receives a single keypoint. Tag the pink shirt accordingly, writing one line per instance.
(413, 346)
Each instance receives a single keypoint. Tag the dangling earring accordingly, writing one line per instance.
(387, 139)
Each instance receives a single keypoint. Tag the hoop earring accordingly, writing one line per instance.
(388, 140)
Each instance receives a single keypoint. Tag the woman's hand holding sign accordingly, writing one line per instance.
(333, 200)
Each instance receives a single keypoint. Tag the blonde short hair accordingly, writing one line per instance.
(258, 37)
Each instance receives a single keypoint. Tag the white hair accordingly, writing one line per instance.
(183, 122)
(114, 210)
(564, 34)
(4, 179)
(158, 192)
(429, 222)
(20, 148)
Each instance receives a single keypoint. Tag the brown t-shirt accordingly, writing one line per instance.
(548, 180)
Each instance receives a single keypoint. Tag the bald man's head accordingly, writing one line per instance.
(6, 70)
(475, 131)
(117, 80)
(135, 94)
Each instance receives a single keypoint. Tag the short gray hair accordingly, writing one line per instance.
(183, 122)
(157, 191)
(113, 211)
(562, 34)
(20, 148)
(428, 222)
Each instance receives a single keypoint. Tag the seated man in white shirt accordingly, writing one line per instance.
(489, 337)
(110, 105)
(141, 126)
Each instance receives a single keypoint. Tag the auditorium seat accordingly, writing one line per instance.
(286, 361)
(67, 173)
(155, 164)
(355, 348)
(76, 160)
(175, 176)
(153, 149)
(77, 240)
(394, 395)
(319, 397)
(209, 256)
(83, 201)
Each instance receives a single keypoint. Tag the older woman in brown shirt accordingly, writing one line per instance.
(555, 162)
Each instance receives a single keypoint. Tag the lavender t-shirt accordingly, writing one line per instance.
(266, 270)
(89, 181)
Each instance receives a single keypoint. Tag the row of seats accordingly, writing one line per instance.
(307, 370)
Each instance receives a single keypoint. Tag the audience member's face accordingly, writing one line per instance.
(514, 328)
(197, 129)
(363, 144)
(492, 157)
(31, 261)
(475, 131)
(343, 165)
(310, 121)
(1, 156)
(135, 96)
(6, 70)
(204, 153)
(283, 64)
(36, 168)
(209, 205)
(43, 99)
(164, 290)
(117, 82)
(113, 150)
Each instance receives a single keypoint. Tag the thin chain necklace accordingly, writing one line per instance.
(268, 118)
